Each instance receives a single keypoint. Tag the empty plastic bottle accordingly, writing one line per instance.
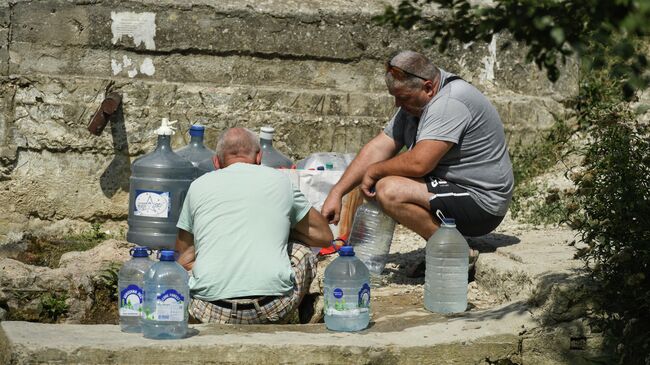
(445, 280)
(270, 156)
(347, 293)
(130, 284)
(158, 185)
(166, 298)
(196, 152)
(371, 236)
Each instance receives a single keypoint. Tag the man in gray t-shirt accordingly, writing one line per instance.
(456, 162)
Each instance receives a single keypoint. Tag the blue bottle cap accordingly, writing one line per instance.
(320, 168)
(449, 221)
(167, 255)
(197, 130)
(346, 251)
(140, 252)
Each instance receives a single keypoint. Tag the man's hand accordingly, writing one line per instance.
(331, 209)
(185, 249)
(368, 182)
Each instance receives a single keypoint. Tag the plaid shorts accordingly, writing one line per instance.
(303, 263)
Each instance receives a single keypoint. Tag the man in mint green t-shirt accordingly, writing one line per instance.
(234, 236)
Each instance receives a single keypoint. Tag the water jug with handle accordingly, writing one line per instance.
(371, 236)
(447, 261)
(271, 157)
(346, 293)
(196, 152)
(166, 299)
(130, 282)
(157, 187)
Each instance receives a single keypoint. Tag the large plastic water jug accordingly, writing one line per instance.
(447, 261)
(371, 236)
(130, 284)
(166, 299)
(347, 293)
(158, 185)
(196, 152)
(270, 156)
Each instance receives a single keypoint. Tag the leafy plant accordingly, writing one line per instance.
(107, 279)
(54, 306)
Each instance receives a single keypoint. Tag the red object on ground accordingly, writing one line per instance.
(336, 245)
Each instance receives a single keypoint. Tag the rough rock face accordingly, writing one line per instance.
(311, 69)
(24, 288)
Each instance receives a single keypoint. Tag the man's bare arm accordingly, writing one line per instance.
(185, 249)
(417, 162)
(313, 230)
(380, 148)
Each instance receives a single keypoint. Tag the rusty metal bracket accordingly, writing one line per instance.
(109, 105)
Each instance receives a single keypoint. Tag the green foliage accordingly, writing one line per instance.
(54, 306)
(552, 29)
(107, 280)
(89, 238)
(530, 202)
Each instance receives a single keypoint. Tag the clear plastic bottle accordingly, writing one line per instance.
(166, 299)
(157, 187)
(445, 280)
(196, 152)
(130, 284)
(270, 156)
(371, 236)
(347, 293)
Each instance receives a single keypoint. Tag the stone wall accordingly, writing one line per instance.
(310, 68)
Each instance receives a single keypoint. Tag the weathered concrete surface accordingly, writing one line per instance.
(515, 330)
(311, 69)
(458, 340)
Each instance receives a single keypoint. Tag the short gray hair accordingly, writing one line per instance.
(237, 142)
(415, 63)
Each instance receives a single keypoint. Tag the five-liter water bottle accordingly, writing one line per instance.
(347, 293)
(130, 284)
(270, 156)
(157, 187)
(447, 260)
(371, 236)
(196, 152)
(166, 299)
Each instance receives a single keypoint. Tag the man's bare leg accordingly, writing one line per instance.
(407, 201)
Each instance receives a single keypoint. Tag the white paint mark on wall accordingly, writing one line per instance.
(131, 67)
(147, 67)
(490, 61)
(139, 26)
(116, 66)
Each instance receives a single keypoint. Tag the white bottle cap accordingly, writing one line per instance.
(165, 128)
(266, 132)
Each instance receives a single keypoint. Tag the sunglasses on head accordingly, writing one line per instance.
(400, 73)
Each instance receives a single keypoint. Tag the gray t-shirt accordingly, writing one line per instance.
(478, 161)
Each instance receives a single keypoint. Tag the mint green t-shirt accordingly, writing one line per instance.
(240, 217)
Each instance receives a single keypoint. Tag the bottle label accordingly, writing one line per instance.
(336, 305)
(131, 301)
(170, 306)
(364, 296)
(149, 203)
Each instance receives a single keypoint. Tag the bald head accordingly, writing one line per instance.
(238, 145)
(414, 63)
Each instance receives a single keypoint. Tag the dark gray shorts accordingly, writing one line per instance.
(455, 202)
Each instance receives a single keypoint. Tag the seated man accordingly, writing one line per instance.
(233, 235)
(456, 162)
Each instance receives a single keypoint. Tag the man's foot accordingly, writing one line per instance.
(417, 270)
